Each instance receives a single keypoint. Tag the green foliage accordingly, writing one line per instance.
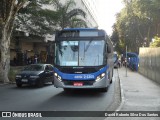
(137, 23)
(39, 18)
(68, 16)
(156, 42)
(35, 19)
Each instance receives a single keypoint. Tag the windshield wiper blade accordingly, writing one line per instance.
(88, 45)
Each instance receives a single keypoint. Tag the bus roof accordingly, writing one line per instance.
(81, 32)
(131, 54)
(80, 29)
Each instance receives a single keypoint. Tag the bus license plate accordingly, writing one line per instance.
(78, 83)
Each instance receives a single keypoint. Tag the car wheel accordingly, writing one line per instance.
(19, 84)
(105, 89)
(40, 83)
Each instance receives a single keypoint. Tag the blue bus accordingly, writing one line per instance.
(133, 60)
(83, 59)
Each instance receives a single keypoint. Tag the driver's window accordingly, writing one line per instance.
(47, 68)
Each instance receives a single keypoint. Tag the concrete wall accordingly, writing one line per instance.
(149, 64)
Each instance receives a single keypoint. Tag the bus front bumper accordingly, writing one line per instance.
(92, 84)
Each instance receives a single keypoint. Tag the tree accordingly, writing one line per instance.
(67, 15)
(118, 44)
(137, 23)
(29, 14)
(40, 19)
(76, 22)
(35, 19)
(156, 42)
(8, 12)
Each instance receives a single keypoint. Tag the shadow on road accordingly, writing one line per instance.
(76, 100)
(73, 101)
(81, 93)
(25, 87)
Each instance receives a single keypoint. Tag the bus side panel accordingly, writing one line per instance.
(110, 59)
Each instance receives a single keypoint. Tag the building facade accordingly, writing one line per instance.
(25, 47)
(91, 10)
(89, 6)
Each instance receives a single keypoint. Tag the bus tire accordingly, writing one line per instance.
(111, 81)
(105, 89)
(66, 89)
(111, 78)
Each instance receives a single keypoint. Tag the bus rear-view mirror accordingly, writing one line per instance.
(108, 49)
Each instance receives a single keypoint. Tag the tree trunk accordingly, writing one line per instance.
(148, 36)
(5, 51)
(11, 7)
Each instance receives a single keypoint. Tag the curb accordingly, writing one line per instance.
(122, 95)
(122, 100)
(2, 84)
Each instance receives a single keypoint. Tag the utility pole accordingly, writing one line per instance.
(126, 60)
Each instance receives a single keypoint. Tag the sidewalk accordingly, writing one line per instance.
(138, 94)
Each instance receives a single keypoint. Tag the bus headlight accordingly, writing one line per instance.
(100, 76)
(59, 78)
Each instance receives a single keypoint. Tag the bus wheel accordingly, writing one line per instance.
(104, 89)
(111, 81)
(66, 89)
(111, 77)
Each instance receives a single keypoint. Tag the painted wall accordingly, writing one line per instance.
(149, 64)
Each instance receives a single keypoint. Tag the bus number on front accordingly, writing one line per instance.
(84, 77)
(88, 76)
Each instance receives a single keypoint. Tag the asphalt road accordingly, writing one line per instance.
(49, 98)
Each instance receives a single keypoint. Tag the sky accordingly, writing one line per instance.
(107, 10)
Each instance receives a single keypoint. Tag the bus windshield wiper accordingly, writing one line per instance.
(88, 45)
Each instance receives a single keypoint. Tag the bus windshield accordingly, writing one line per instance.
(80, 53)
